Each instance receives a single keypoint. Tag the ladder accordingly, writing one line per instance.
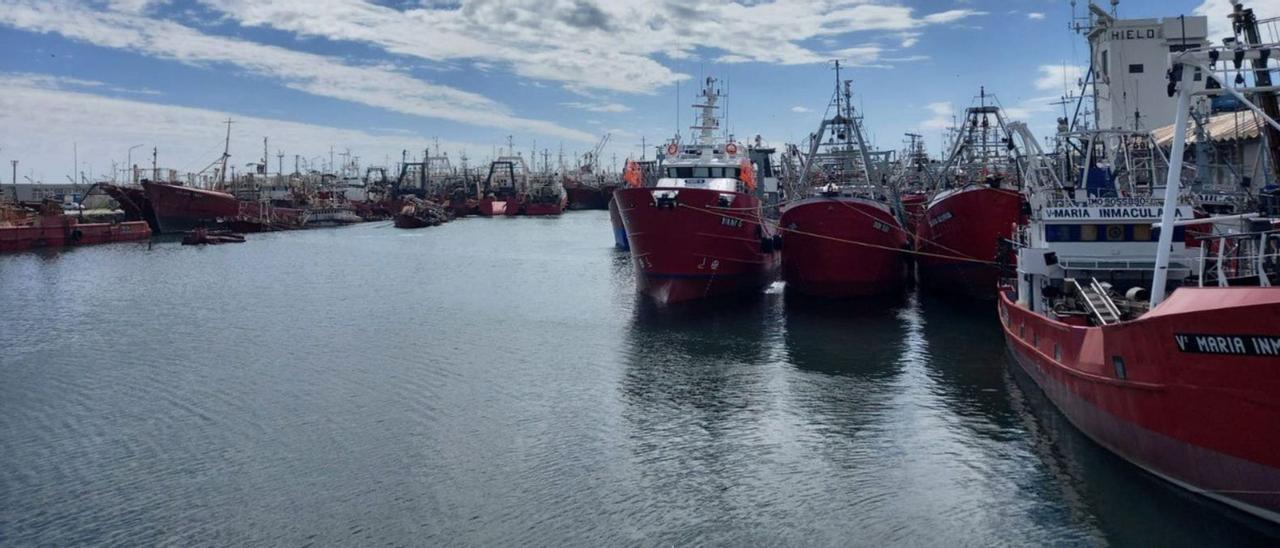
(1099, 303)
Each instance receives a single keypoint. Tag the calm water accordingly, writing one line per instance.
(496, 382)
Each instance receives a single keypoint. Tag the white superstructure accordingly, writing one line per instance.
(1130, 58)
(709, 162)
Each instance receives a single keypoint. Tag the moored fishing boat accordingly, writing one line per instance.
(845, 236)
(1183, 384)
(698, 232)
(181, 208)
(963, 224)
(503, 188)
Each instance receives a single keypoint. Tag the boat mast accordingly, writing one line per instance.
(707, 123)
(1178, 77)
(226, 153)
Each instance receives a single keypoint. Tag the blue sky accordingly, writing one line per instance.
(89, 79)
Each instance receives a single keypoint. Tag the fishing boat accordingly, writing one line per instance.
(845, 236)
(504, 187)
(417, 213)
(204, 236)
(546, 197)
(586, 186)
(698, 232)
(180, 208)
(976, 205)
(1184, 384)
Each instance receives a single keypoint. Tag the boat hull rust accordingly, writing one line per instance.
(65, 231)
(180, 209)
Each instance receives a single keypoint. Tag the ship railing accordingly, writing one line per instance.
(1247, 256)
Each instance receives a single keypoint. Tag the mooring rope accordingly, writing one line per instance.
(842, 240)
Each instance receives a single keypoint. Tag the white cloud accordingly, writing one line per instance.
(66, 82)
(597, 107)
(1218, 10)
(315, 74)
(1025, 110)
(942, 114)
(951, 16)
(187, 138)
(799, 109)
(610, 45)
(1058, 77)
(1035, 16)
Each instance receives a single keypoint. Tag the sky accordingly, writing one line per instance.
(85, 84)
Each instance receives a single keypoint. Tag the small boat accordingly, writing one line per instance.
(417, 213)
(331, 215)
(699, 232)
(203, 236)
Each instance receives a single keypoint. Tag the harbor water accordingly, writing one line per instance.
(497, 382)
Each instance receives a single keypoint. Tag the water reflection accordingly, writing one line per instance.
(861, 338)
(1124, 504)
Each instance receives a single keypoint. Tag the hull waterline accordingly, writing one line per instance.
(698, 245)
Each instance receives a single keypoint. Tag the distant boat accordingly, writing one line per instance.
(50, 227)
(181, 208)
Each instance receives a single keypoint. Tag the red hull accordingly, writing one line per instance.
(697, 247)
(967, 222)
(1207, 421)
(582, 196)
(492, 207)
(542, 209)
(818, 258)
(133, 201)
(180, 208)
(63, 231)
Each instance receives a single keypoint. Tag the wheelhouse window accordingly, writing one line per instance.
(701, 172)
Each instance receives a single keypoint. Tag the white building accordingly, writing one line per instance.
(1130, 59)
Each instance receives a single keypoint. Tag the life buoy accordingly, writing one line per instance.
(731, 149)
(672, 149)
